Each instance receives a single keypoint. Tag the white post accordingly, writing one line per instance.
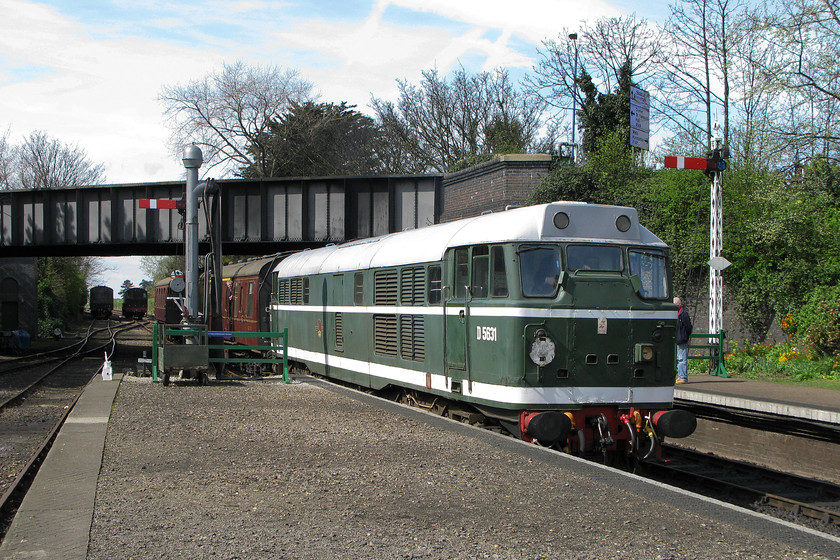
(715, 249)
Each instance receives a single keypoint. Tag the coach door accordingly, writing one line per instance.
(456, 309)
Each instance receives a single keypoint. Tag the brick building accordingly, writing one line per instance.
(506, 180)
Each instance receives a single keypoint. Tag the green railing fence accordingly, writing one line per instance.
(713, 352)
(170, 349)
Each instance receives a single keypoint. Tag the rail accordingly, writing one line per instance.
(171, 348)
(714, 352)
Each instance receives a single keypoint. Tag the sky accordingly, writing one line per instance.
(89, 73)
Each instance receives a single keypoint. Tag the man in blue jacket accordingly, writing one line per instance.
(683, 334)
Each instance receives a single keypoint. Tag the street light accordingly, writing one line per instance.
(573, 37)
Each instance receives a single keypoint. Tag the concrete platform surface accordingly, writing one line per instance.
(798, 401)
(54, 519)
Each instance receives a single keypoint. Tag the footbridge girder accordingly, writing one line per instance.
(259, 216)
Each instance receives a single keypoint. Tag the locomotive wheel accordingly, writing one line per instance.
(166, 379)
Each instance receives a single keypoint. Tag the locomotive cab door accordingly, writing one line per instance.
(456, 309)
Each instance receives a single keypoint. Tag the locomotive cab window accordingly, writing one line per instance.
(498, 276)
(434, 287)
(594, 257)
(651, 267)
(480, 284)
(358, 289)
(539, 270)
(462, 277)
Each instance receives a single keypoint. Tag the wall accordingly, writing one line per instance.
(22, 273)
(506, 180)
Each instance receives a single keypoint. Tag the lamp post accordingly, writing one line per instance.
(573, 37)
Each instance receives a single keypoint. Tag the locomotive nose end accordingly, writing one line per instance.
(675, 423)
(548, 427)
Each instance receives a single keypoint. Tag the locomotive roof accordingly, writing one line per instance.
(591, 223)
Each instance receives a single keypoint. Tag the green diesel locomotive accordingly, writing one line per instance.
(555, 321)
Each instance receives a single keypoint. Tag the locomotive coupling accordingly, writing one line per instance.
(545, 427)
(674, 423)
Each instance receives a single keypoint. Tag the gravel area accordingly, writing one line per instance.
(267, 470)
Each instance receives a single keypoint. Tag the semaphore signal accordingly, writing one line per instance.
(160, 203)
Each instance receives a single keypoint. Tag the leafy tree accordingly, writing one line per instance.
(126, 285)
(605, 115)
(227, 113)
(317, 139)
(62, 291)
(158, 268)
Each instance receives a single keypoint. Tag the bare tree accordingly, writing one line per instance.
(703, 37)
(7, 162)
(440, 122)
(803, 74)
(47, 163)
(227, 112)
(600, 51)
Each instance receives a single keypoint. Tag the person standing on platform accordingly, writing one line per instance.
(684, 329)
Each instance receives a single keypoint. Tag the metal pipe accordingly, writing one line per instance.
(192, 161)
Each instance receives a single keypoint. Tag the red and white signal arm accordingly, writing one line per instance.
(158, 203)
(679, 162)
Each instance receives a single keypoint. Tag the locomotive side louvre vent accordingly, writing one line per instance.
(385, 287)
(283, 292)
(412, 286)
(296, 295)
(412, 338)
(385, 334)
(339, 332)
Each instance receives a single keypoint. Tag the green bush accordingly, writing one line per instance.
(790, 361)
(817, 323)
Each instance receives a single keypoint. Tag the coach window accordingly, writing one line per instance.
(434, 286)
(250, 301)
(480, 272)
(462, 277)
(498, 277)
(358, 289)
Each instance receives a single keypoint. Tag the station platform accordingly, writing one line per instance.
(780, 399)
(53, 520)
(309, 470)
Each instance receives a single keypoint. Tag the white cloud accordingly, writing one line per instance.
(92, 78)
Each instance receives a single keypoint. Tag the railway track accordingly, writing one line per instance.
(37, 392)
(804, 500)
